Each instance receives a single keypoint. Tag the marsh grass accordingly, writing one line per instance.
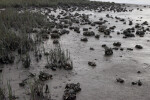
(59, 58)
(22, 22)
(10, 92)
(39, 3)
(15, 30)
(36, 90)
(2, 94)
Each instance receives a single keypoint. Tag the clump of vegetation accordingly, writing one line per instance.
(36, 90)
(59, 58)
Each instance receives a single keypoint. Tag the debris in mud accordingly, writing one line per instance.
(97, 36)
(64, 32)
(76, 29)
(89, 33)
(71, 90)
(139, 72)
(22, 84)
(84, 39)
(45, 36)
(55, 42)
(47, 89)
(128, 33)
(140, 33)
(85, 29)
(108, 51)
(115, 48)
(117, 44)
(130, 49)
(55, 35)
(120, 80)
(145, 23)
(45, 76)
(91, 48)
(121, 49)
(92, 63)
(139, 83)
(104, 45)
(138, 47)
(130, 22)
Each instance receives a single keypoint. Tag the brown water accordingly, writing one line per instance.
(97, 83)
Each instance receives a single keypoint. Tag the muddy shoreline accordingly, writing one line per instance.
(108, 45)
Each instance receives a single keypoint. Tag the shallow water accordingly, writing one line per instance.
(145, 2)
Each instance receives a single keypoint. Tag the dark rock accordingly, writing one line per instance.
(97, 36)
(140, 33)
(64, 32)
(130, 49)
(77, 29)
(55, 42)
(92, 63)
(108, 51)
(145, 23)
(44, 76)
(134, 83)
(118, 44)
(91, 48)
(130, 22)
(139, 83)
(115, 48)
(89, 33)
(68, 66)
(121, 49)
(85, 29)
(107, 32)
(138, 47)
(128, 33)
(55, 35)
(84, 39)
(21, 84)
(102, 28)
(139, 72)
(120, 80)
(71, 91)
(104, 45)
(45, 36)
